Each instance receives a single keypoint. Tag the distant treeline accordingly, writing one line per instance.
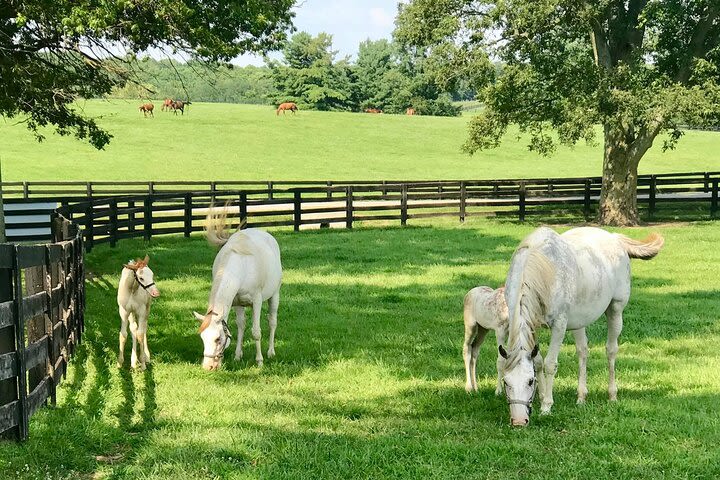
(200, 83)
(383, 77)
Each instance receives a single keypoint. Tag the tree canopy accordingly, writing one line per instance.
(383, 77)
(638, 68)
(54, 52)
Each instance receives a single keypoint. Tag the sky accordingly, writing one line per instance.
(348, 21)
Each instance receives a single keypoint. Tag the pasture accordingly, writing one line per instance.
(368, 381)
(243, 142)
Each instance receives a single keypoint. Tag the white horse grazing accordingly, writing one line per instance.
(485, 309)
(246, 272)
(135, 293)
(565, 282)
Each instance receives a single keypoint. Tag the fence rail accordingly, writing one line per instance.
(41, 322)
(125, 216)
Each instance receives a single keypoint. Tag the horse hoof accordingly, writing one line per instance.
(581, 401)
(545, 410)
(259, 363)
(238, 357)
(271, 354)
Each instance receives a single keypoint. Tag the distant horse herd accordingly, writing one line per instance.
(179, 106)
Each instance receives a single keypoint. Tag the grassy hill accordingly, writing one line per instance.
(243, 142)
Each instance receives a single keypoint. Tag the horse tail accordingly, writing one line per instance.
(533, 282)
(642, 249)
(215, 223)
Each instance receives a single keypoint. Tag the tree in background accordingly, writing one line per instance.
(637, 67)
(383, 77)
(309, 75)
(55, 52)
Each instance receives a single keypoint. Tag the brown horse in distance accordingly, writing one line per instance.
(410, 111)
(373, 110)
(284, 107)
(180, 105)
(167, 104)
(147, 108)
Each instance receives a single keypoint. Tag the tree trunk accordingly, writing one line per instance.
(618, 198)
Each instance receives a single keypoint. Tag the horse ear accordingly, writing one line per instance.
(205, 323)
(502, 351)
(535, 351)
(198, 317)
(146, 260)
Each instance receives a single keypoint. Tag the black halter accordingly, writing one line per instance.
(515, 401)
(145, 287)
(228, 339)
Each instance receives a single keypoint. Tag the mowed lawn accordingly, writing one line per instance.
(242, 142)
(368, 381)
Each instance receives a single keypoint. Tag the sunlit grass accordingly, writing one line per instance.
(244, 142)
(368, 381)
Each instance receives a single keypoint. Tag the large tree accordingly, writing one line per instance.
(636, 67)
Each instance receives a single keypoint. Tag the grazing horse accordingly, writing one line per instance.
(180, 105)
(564, 282)
(147, 108)
(167, 105)
(373, 110)
(485, 309)
(246, 272)
(135, 294)
(284, 107)
(410, 111)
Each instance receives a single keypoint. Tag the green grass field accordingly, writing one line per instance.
(368, 381)
(240, 142)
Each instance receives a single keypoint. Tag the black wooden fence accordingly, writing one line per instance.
(125, 216)
(41, 321)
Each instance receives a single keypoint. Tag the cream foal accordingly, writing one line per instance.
(135, 293)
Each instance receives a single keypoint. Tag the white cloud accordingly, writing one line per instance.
(381, 18)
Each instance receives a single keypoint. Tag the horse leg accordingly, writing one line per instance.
(501, 338)
(133, 332)
(273, 305)
(140, 335)
(146, 350)
(581, 348)
(123, 335)
(240, 321)
(471, 333)
(257, 307)
(550, 365)
(539, 375)
(615, 324)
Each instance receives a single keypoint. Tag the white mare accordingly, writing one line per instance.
(246, 272)
(565, 282)
(135, 293)
(484, 310)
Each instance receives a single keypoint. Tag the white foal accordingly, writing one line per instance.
(246, 272)
(135, 293)
(485, 309)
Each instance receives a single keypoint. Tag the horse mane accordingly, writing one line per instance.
(528, 313)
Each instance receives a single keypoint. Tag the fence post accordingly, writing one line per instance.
(243, 210)
(113, 222)
(271, 193)
(213, 189)
(53, 275)
(147, 220)
(521, 201)
(586, 200)
(26, 190)
(187, 214)
(706, 184)
(463, 200)
(651, 196)
(89, 227)
(329, 191)
(404, 204)
(349, 206)
(20, 349)
(35, 283)
(297, 211)
(8, 387)
(131, 216)
(89, 190)
(714, 198)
